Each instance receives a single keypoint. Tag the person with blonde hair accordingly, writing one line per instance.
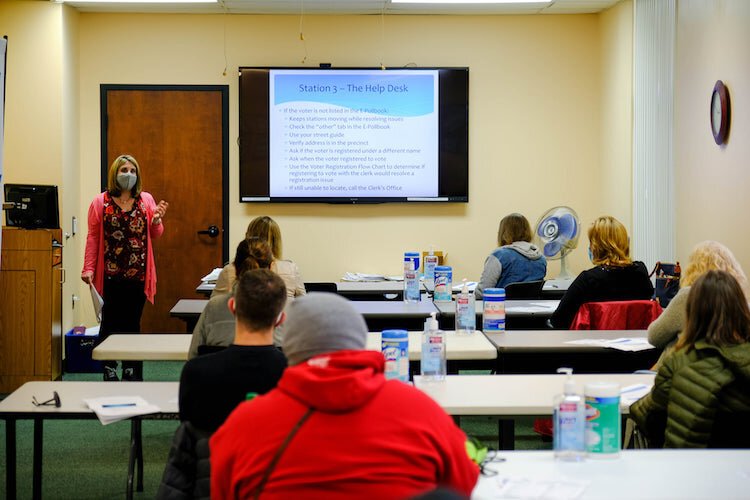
(615, 276)
(216, 325)
(123, 222)
(515, 259)
(706, 256)
(265, 228)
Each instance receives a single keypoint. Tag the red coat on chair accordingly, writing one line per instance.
(616, 315)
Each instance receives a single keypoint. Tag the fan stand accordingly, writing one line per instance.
(564, 272)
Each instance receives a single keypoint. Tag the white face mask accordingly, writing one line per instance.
(126, 181)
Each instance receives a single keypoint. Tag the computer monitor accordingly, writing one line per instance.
(33, 206)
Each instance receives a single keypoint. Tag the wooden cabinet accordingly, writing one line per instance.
(31, 277)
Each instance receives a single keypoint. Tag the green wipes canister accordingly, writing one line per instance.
(603, 434)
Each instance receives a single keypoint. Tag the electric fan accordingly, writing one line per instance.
(557, 234)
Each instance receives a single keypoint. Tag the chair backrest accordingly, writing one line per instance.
(321, 286)
(616, 315)
(524, 290)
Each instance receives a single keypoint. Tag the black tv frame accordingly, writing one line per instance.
(25, 199)
(253, 141)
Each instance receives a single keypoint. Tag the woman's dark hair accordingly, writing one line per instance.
(252, 253)
(717, 311)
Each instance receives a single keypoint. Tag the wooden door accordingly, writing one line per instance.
(179, 137)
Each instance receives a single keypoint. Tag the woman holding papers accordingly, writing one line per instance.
(701, 395)
(265, 228)
(123, 221)
(706, 256)
(614, 275)
(516, 258)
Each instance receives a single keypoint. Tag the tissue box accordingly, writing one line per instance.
(78, 348)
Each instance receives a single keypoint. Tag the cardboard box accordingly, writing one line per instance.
(78, 349)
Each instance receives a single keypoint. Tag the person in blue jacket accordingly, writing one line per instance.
(516, 258)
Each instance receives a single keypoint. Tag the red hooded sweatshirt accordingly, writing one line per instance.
(367, 438)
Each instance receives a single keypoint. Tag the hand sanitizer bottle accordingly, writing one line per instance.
(569, 422)
(411, 277)
(430, 262)
(433, 364)
(466, 319)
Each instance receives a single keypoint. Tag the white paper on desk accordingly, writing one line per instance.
(115, 408)
(98, 302)
(529, 309)
(632, 393)
(621, 344)
(470, 286)
(212, 276)
(528, 488)
(362, 277)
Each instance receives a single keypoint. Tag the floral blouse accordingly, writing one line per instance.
(124, 240)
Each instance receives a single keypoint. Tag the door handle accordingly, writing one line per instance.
(212, 231)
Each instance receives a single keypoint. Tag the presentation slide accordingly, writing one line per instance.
(353, 133)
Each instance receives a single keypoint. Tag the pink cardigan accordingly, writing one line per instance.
(93, 260)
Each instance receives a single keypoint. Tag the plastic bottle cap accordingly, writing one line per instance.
(465, 288)
(431, 323)
(569, 387)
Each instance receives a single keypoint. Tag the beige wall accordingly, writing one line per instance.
(617, 111)
(41, 132)
(711, 182)
(540, 88)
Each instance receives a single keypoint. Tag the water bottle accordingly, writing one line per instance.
(466, 319)
(433, 362)
(443, 284)
(411, 277)
(493, 319)
(395, 348)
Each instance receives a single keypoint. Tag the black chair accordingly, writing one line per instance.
(321, 286)
(524, 290)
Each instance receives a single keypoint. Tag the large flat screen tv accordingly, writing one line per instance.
(354, 135)
(33, 206)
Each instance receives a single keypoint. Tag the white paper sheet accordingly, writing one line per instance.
(98, 302)
(532, 488)
(115, 408)
(621, 344)
(212, 276)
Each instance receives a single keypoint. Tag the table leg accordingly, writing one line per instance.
(10, 458)
(38, 447)
(139, 455)
(507, 434)
(131, 460)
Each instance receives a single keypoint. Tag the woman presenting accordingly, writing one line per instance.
(119, 258)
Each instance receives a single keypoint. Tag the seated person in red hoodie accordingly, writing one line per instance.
(334, 427)
(212, 385)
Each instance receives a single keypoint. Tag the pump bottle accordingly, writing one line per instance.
(430, 261)
(466, 316)
(433, 363)
(569, 422)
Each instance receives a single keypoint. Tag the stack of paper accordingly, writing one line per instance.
(212, 276)
(114, 408)
(362, 277)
